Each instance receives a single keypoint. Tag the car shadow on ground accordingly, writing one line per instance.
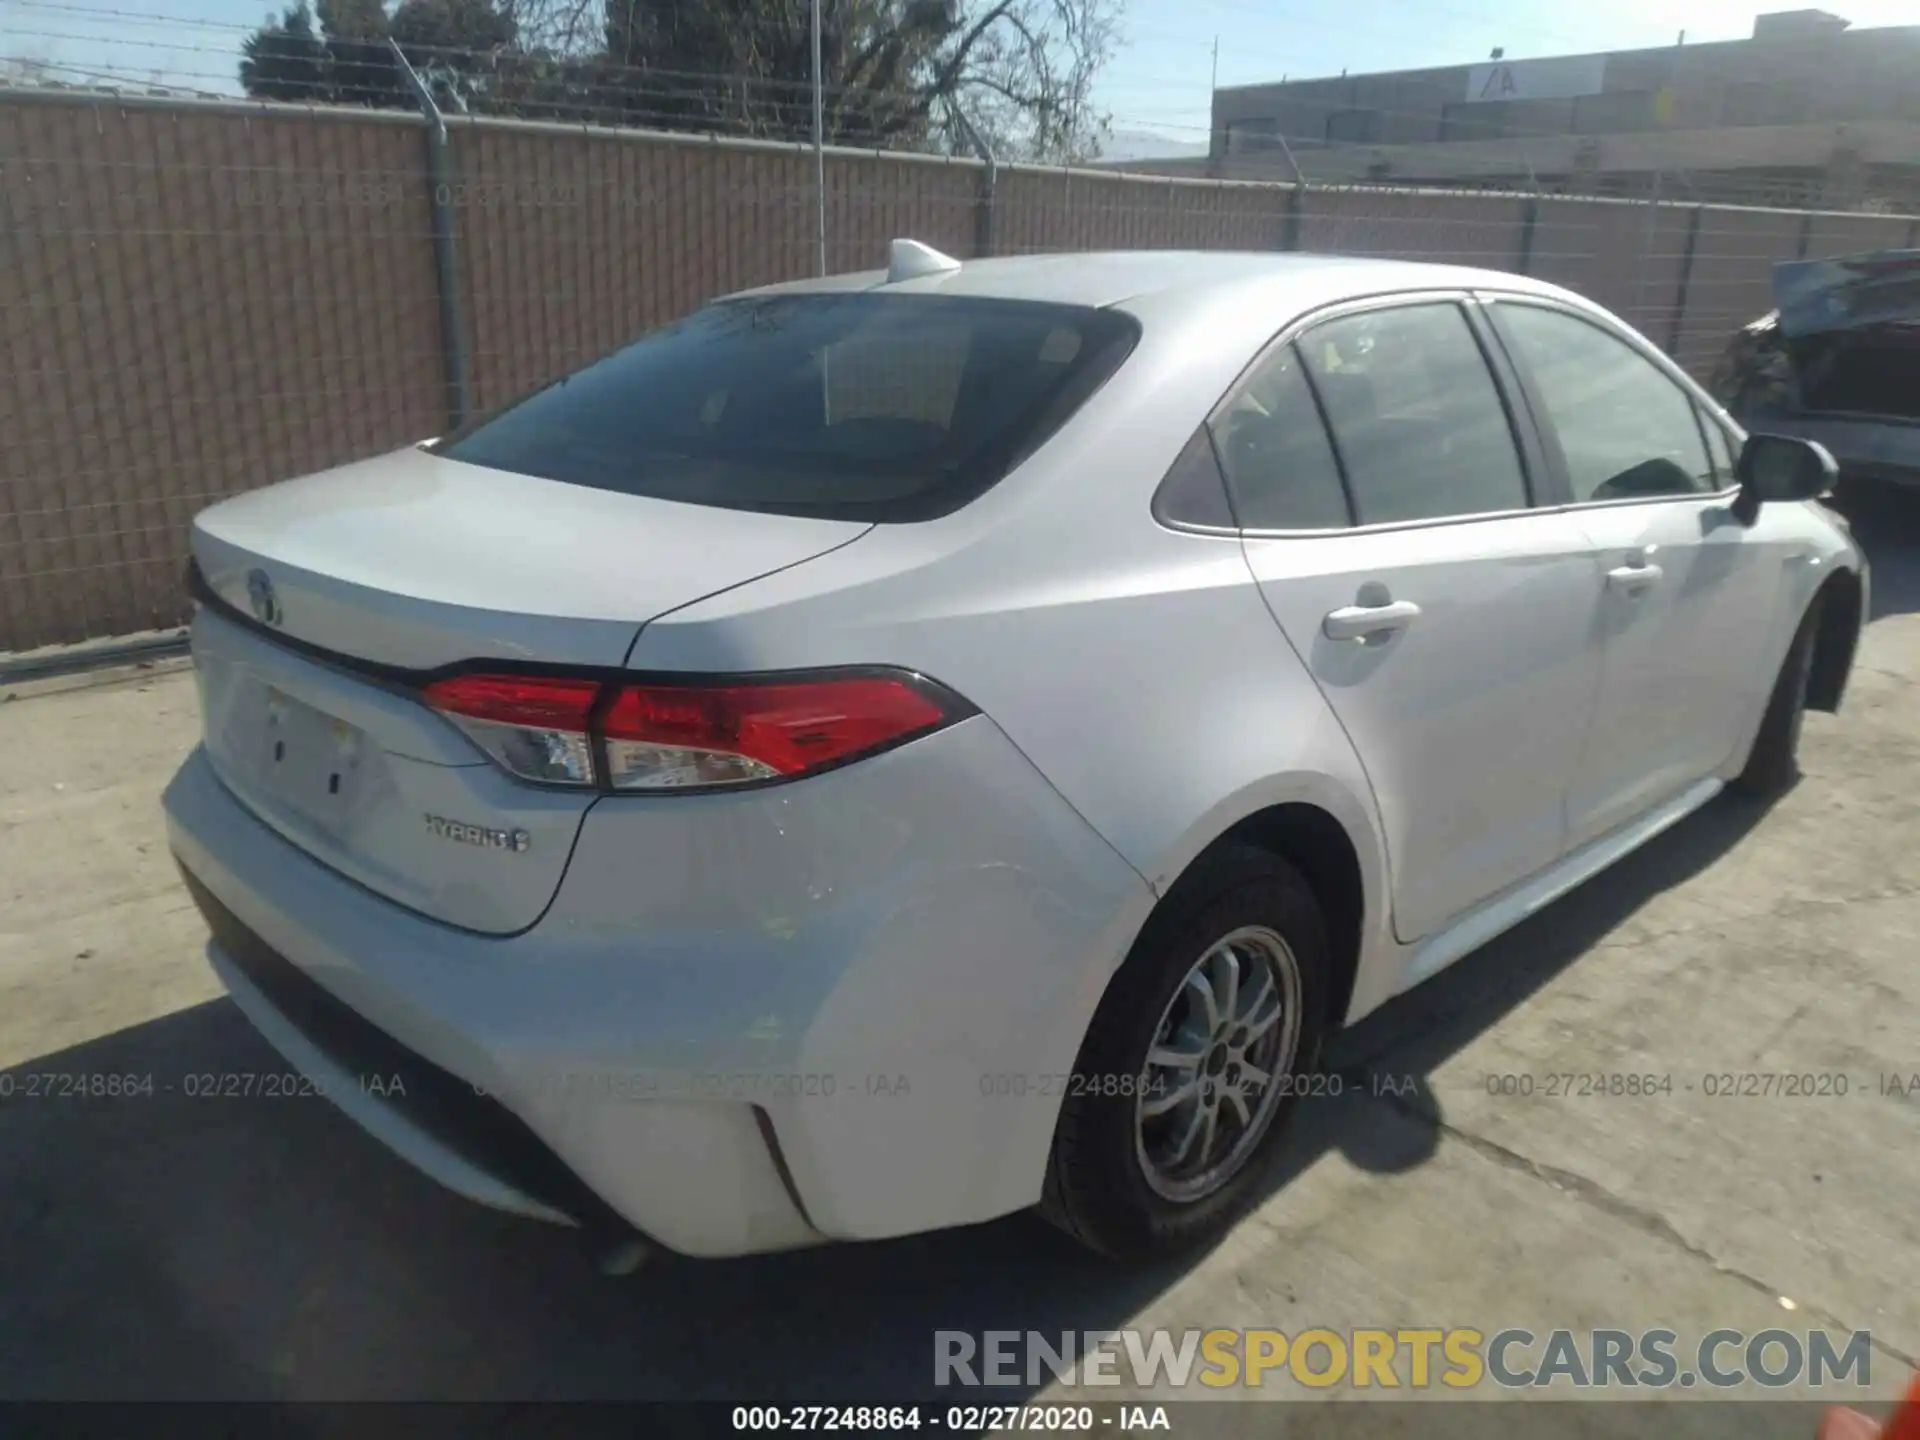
(167, 1246)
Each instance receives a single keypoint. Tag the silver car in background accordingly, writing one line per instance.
(887, 752)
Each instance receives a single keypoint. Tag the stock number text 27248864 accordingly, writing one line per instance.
(964, 1419)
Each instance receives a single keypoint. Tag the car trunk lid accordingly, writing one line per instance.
(415, 561)
(333, 598)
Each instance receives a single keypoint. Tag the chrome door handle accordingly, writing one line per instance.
(1359, 622)
(1634, 577)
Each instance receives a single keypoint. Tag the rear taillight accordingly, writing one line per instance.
(687, 736)
(668, 737)
(534, 727)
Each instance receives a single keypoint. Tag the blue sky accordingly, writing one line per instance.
(1157, 82)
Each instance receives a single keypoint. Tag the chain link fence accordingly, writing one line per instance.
(201, 296)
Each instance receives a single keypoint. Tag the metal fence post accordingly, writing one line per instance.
(1529, 218)
(1685, 280)
(983, 224)
(453, 339)
(819, 148)
(1290, 227)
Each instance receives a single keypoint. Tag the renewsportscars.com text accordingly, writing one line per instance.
(1458, 1358)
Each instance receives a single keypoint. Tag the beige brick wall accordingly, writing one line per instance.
(191, 304)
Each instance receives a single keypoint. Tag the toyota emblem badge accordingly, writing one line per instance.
(261, 596)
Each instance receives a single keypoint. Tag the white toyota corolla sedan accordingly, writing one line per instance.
(893, 750)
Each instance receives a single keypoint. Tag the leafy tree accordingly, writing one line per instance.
(360, 66)
(455, 44)
(285, 59)
(457, 29)
(348, 61)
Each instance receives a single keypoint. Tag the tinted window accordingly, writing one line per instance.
(1193, 492)
(864, 406)
(1625, 428)
(1274, 449)
(1420, 427)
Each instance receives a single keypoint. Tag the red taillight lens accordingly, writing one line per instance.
(675, 737)
(534, 727)
(663, 737)
(517, 700)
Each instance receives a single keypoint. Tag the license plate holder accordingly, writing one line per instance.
(310, 760)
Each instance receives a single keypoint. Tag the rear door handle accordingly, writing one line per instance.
(1634, 577)
(1361, 622)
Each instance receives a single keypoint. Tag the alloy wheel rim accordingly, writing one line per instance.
(1218, 1064)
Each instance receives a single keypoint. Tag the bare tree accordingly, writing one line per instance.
(1022, 69)
(1026, 80)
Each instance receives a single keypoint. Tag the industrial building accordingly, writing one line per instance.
(1808, 111)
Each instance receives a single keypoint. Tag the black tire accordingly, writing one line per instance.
(1774, 762)
(1096, 1188)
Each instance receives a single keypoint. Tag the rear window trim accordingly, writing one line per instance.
(1114, 334)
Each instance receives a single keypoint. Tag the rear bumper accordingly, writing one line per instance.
(831, 1010)
(446, 1127)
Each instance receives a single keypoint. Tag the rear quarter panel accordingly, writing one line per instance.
(1136, 667)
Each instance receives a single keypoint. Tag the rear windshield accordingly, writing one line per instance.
(852, 406)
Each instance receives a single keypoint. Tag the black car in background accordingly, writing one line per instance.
(1838, 361)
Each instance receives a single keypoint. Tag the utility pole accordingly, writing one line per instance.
(440, 176)
(1213, 90)
(819, 147)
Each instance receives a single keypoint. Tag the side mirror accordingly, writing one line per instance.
(1780, 467)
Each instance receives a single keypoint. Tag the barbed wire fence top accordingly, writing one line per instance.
(204, 293)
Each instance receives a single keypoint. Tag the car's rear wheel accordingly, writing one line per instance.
(1201, 1047)
(1774, 762)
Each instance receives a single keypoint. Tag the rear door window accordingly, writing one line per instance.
(1194, 491)
(1274, 449)
(1420, 427)
(855, 406)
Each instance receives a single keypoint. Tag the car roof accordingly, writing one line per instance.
(1118, 277)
